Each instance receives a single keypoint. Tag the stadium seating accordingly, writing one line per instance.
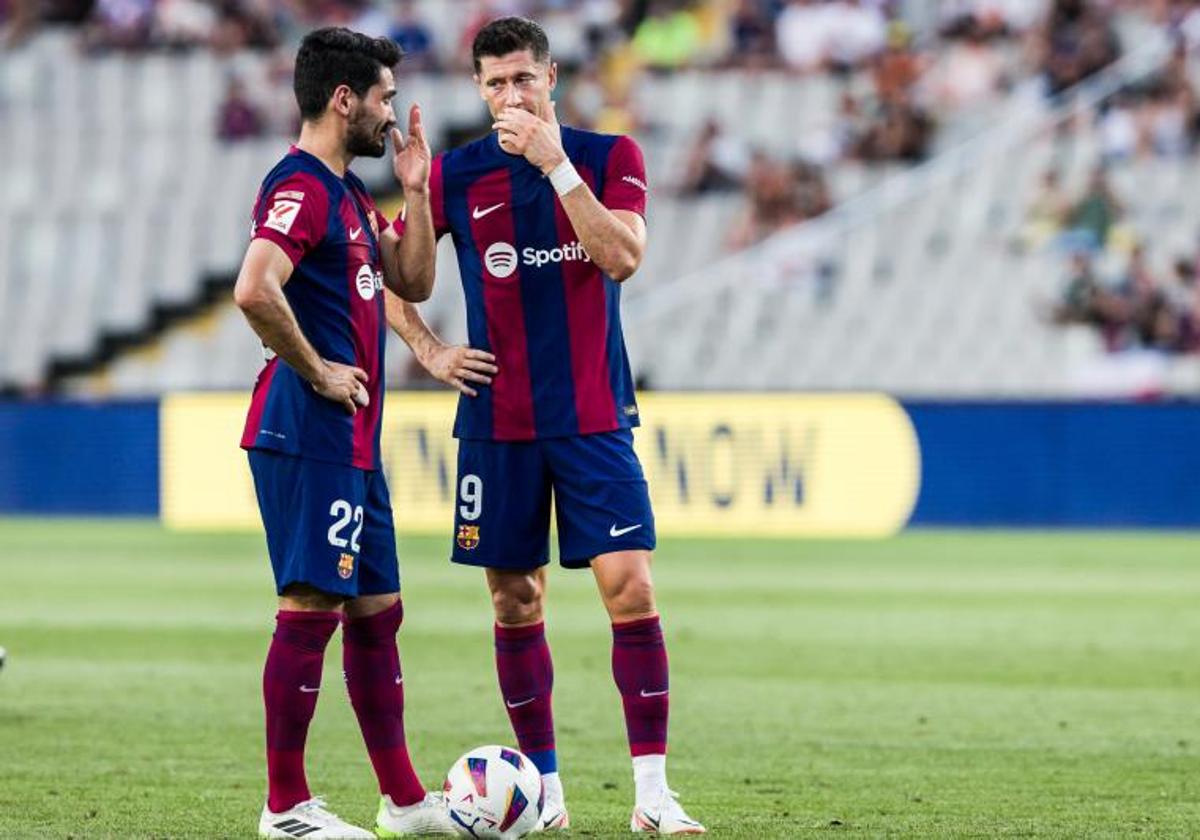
(103, 231)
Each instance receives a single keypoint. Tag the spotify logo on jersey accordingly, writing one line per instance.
(368, 282)
(500, 259)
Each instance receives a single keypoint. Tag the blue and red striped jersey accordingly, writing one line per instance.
(329, 227)
(534, 297)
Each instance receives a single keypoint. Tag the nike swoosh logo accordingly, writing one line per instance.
(355, 232)
(518, 705)
(305, 689)
(614, 531)
(646, 693)
(479, 213)
(399, 680)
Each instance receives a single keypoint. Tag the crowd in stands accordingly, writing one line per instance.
(1131, 305)
(901, 74)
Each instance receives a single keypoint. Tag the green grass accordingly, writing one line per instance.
(939, 684)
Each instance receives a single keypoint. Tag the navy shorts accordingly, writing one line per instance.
(502, 510)
(328, 525)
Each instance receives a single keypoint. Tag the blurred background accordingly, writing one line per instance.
(967, 200)
(1015, 179)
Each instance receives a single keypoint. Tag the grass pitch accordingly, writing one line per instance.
(935, 685)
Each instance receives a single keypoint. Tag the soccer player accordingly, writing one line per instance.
(548, 222)
(312, 287)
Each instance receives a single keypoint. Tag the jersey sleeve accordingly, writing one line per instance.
(625, 178)
(437, 203)
(293, 213)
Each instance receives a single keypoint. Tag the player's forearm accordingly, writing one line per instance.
(610, 243)
(270, 316)
(415, 251)
(405, 319)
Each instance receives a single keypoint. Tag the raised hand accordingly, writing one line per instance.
(412, 159)
(344, 384)
(538, 139)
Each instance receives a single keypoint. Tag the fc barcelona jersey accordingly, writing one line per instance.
(534, 297)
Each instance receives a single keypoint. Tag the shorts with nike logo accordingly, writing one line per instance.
(502, 507)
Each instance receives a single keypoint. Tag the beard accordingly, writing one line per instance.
(366, 139)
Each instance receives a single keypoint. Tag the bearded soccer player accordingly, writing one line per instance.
(548, 223)
(312, 287)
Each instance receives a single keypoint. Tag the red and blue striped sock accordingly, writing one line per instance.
(291, 683)
(639, 665)
(526, 674)
(371, 662)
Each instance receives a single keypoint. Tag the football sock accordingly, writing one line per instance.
(526, 675)
(639, 664)
(552, 785)
(376, 684)
(291, 683)
(649, 778)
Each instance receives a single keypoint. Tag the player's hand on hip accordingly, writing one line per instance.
(458, 366)
(412, 159)
(344, 384)
(539, 140)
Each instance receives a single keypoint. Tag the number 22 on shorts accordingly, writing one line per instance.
(343, 514)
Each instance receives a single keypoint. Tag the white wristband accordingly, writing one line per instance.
(564, 177)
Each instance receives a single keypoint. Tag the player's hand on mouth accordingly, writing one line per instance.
(458, 366)
(538, 140)
(344, 384)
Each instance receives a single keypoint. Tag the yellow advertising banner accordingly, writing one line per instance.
(719, 464)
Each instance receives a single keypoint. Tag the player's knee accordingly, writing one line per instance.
(518, 602)
(631, 599)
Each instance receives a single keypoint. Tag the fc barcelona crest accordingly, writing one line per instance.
(468, 536)
(346, 566)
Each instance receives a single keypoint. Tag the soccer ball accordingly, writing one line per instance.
(495, 793)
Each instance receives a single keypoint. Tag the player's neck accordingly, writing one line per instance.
(326, 146)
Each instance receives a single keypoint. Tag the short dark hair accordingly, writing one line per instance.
(510, 34)
(336, 56)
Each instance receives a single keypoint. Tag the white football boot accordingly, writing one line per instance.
(429, 816)
(311, 820)
(553, 818)
(663, 816)
(554, 810)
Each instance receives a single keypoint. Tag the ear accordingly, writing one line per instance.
(342, 100)
(479, 87)
(552, 75)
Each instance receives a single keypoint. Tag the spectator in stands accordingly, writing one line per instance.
(801, 35)
(119, 24)
(1086, 301)
(751, 36)
(1093, 215)
(1147, 311)
(670, 36)
(413, 35)
(898, 130)
(970, 71)
(183, 23)
(1076, 40)
(898, 67)
(717, 161)
(1047, 213)
(778, 195)
(1118, 130)
(238, 117)
(1183, 296)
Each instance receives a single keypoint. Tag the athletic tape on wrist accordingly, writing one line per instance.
(564, 177)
